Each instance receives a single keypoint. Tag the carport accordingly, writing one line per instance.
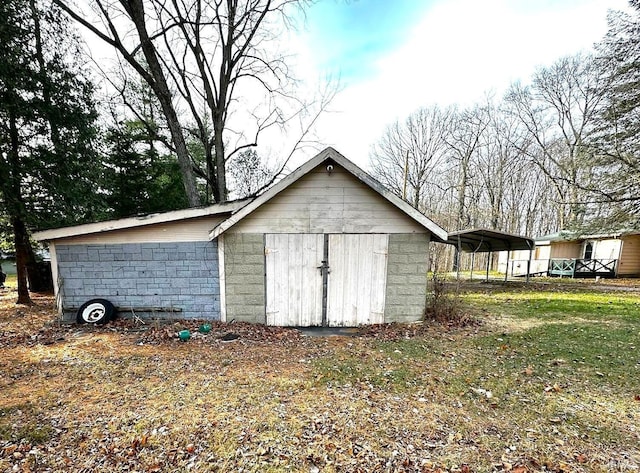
(482, 240)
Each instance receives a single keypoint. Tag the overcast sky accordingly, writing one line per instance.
(394, 56)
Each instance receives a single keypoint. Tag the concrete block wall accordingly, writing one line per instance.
(407, 265)
(244, 277)
(177, 274)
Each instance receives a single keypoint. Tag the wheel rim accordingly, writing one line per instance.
(93, 312)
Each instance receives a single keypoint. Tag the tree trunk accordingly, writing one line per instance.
(23, 247)
(211, 170)
(20, 235)
(462, 194)
(220, 188)
(159, 85)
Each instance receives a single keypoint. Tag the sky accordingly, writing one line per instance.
(394, 56)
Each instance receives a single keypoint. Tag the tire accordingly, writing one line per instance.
(96, 311)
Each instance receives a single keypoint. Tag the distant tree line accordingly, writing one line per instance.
(559, 152)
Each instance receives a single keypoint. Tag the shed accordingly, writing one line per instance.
(327, 245)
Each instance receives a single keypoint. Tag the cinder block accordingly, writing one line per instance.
(395, 279)
(160, 255)
(419, 279)
(407, 268)
(143, 274)
(73, 283)
(406, 290)
(252, 279)
(395, 238)
(256, 300)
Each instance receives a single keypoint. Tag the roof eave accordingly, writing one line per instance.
(138, 221)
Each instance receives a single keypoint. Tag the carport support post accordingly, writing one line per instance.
(529, 263)
(506, 270)
(473, 260)
(457, 257)
(488, 263)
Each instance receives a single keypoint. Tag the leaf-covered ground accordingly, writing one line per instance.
(548, 380)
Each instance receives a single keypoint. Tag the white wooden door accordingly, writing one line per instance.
(357, 281)
(294, 282)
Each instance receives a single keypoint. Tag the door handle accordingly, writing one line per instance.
(324, 267)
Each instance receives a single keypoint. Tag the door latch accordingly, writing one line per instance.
(324, 267)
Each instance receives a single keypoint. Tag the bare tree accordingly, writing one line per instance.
(212, 64)
(498, 164)
(410, 157)
(559, 111)
(249, 173)
(132, 14)
(464, 140)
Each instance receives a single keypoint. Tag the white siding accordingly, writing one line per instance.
(328, 203)
(357, 281)
(294, 282)
(607, 249)
(196, 229)
(542, 252)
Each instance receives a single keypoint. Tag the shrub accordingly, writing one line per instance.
(445, 305)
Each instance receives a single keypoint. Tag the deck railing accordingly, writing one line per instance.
(582, 268)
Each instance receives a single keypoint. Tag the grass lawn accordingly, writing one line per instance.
(548, 380)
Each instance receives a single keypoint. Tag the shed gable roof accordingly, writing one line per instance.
(331, 155)
(241, 208)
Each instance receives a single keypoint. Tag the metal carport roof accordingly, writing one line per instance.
(481, 240)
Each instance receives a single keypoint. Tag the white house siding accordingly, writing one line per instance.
(168, 275)
(606, 249)
(542, 252)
